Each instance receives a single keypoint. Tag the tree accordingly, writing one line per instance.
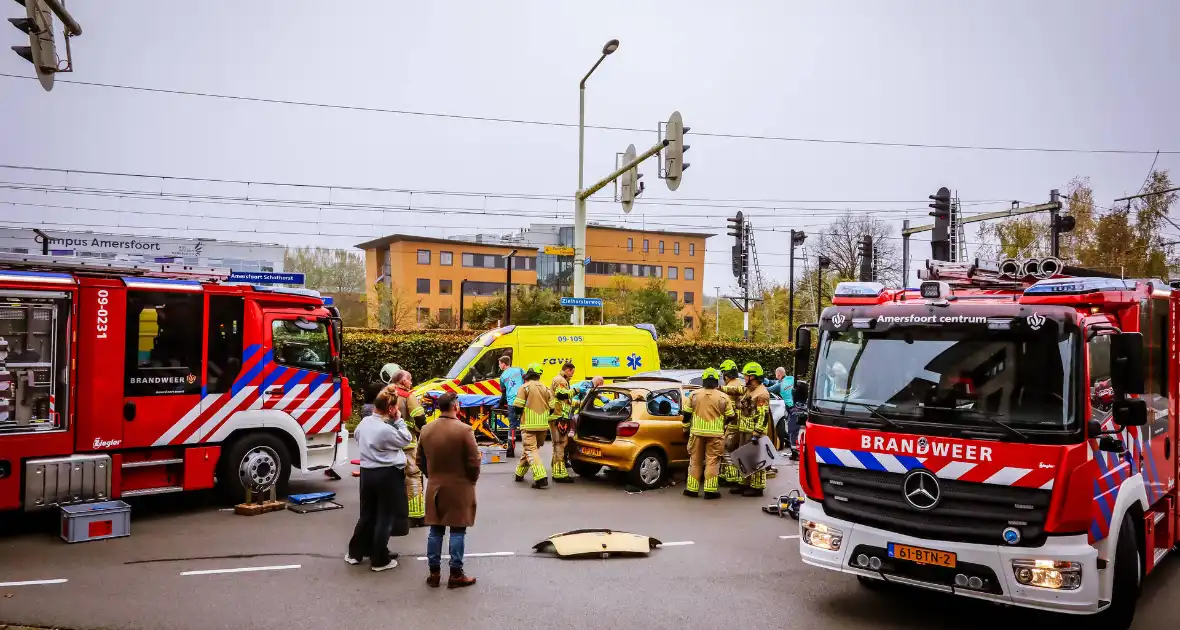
(1125, 240)
(649, 303)
(531, 306)
(839, 241)
(331, 271)
(395, 308)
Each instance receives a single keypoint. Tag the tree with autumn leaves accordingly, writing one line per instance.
(1126, 239)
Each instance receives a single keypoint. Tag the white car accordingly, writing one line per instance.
(778, 407)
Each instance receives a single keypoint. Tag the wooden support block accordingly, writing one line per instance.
(253, 509)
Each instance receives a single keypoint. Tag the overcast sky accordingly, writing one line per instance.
(1057, 74)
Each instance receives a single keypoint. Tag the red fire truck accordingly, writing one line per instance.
(1005, 432)
(121, 379)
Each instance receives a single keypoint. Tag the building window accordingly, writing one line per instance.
(446, 316)
(659, 271)
(446, 259)
(444, 287)
(672, 294)
(661, 246)
(688, 274)
(423, 315)
(424, 257)
(423, 286)
(479, 289)
(692, 249)
(688, 297)
(645, 246)
(468, 260)
(672, 273)
(676, 248)
(688, 323)
(630, 244)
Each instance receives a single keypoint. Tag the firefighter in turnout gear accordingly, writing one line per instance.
(415, 417)
(705, 415)
(733, 386)
(534, 401)
(753, 414)
(559, 420)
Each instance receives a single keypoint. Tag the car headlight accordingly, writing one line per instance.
(1052, 574)
(822, 536)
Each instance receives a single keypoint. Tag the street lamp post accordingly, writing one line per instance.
(579, 203)
(508, 288)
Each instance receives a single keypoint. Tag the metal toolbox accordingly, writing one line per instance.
(95, 521)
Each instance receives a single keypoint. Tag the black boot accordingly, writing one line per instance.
(753, 492)
(737, 490)
(417, 522)
(712, 495)
(690, 493)
(541, 483)
(563, 479)
(519, 479)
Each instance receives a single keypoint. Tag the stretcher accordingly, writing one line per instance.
(481, 412)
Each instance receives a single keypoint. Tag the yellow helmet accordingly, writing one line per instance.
(535, 368)
(728, 365)
(709, 373)
(752, 369)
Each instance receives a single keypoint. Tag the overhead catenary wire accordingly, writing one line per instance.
(545, 123)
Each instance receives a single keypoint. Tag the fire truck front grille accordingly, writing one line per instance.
(966, 512)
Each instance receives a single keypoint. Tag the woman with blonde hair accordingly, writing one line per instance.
(381, 438)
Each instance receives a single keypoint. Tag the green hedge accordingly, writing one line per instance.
(429, 354)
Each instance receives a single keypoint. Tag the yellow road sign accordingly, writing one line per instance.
(557, 250)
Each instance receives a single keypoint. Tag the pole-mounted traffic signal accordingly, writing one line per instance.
(940, 240)
(674, 164)
(737, 229)
(629, 185)
(41, 51)
(865, 250)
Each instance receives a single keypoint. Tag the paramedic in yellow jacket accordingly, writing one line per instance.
(753, 412)
(562, 404)
(534, 401)
(415, 417)
(705, 414)
(733, 385)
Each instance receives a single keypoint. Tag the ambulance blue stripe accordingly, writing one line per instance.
(826, 456)
(869, 461)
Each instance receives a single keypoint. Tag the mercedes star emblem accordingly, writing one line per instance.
(920, 489)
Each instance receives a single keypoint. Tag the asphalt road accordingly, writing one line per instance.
(738, 571)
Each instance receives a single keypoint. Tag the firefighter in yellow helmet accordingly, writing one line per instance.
(559, 420)
(705, 414)
(414, 415)
(731, 384)
(534, 402)
(753, 413)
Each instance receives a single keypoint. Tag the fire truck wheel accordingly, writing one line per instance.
(257, 461)
(1128, 569)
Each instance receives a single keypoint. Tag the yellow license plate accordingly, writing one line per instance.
(592, 452)
(920, 555)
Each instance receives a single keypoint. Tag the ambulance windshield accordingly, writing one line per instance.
(464, 359)
(948, 376)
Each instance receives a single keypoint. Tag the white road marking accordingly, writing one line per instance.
(789, 537)
(677, 544)
(278, 567)
(490, 554)
(33, 582)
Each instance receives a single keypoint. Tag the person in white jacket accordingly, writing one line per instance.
(381, 438)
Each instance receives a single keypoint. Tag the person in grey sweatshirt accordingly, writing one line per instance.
(380, 437)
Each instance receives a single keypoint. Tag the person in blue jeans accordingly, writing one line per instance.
(511, 378)
(449, 458)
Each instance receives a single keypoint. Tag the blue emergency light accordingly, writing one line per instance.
(859, 289)
(1078, 286)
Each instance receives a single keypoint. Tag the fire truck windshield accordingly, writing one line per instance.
(950, 377)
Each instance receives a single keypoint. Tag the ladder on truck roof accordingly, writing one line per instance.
(102, 267)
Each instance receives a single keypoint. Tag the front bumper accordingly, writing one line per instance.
(985, 560)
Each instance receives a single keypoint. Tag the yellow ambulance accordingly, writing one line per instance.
(611, 351)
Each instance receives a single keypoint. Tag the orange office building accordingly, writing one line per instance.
(424, 275)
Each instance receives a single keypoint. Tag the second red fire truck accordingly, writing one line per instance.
(1006, 434)
(122, 379)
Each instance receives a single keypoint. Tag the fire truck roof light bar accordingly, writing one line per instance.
(111, 267)
(1078, 286)
(859, 289)
(286, 290)
(174, 284)
(36, 276)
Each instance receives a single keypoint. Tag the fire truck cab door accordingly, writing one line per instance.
(296, 376)
(163, 360)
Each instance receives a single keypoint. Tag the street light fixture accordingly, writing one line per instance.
(580, 204)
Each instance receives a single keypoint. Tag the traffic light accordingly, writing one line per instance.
(797, 238)
(940, 240)
(629, 185)
(865, 250)
(674, 164)
(737, 229)
(41, 51)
